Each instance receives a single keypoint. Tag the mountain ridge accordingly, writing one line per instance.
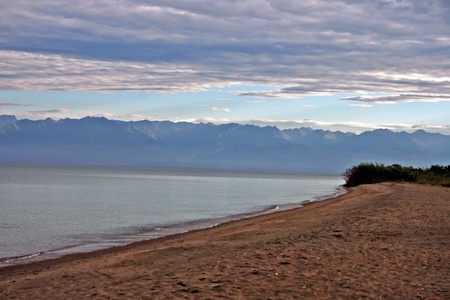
(101, 141)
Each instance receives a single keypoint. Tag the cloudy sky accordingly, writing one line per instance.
(350, 65)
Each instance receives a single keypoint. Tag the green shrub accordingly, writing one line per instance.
(366, 173)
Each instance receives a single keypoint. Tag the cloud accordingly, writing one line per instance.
(342, 126)
(355, 127)
(224, 99)
(50, 111)
(205, 120)
(124, 117)
(399, 98)
(30, 71)
(220, 109)
(306, 48)
(360, 105)
(254, 101)
(412, 88)
(57, 113)
(7, 104)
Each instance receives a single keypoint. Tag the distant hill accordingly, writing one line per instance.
(102, 141)
(7, 119)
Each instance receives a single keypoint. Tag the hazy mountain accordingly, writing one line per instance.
(231, 146)
(7, 119)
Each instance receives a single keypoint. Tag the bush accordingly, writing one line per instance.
(366, 173)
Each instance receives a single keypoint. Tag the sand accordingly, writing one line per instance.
(383, 241)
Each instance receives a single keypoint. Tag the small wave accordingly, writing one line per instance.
(9, 260)
(340, 190)
(275, 208)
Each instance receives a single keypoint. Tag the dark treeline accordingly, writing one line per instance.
(375, 172)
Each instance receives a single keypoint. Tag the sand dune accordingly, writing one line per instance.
(383, 241)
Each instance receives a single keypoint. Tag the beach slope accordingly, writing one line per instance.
(377, 241)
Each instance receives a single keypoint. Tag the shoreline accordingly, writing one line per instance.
(155, 234)
(384, 240)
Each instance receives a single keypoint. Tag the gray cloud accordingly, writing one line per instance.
(312, 47)
(50, 111)
(7, 104)
(400, 98)
(31, 71)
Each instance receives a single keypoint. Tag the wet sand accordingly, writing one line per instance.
(383, 241)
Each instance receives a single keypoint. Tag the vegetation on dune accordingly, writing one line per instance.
(375, 172)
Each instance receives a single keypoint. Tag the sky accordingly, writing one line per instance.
(349, 65)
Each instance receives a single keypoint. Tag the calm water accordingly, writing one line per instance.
(51, 210)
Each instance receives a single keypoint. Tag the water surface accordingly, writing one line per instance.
(51, 210)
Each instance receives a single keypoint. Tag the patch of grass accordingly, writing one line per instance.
(365, 173)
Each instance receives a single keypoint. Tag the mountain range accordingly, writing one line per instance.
(100, 141)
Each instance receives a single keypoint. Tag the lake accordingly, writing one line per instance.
(50, 210)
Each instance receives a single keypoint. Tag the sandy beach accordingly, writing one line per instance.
(383, 241)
